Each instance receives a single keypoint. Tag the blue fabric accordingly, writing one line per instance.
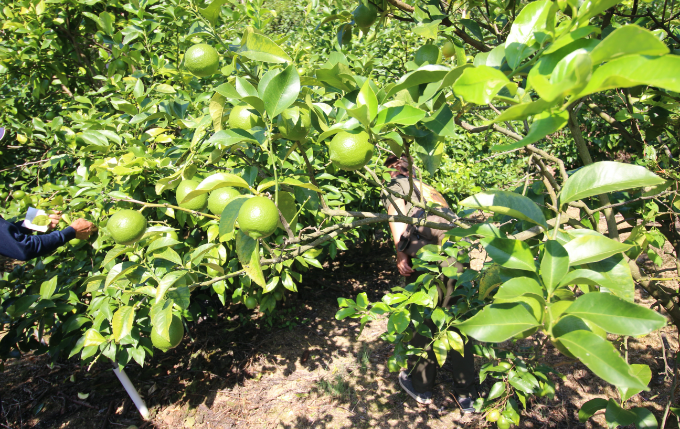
(17, 242)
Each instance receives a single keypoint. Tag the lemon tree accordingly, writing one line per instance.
(167, 106)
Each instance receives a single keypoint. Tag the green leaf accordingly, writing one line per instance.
(455, 342)
(628, 40)
(430, 150)
(123, 322)
(161, 317)
(118, 271)
(48, 287)
(507, 203)
(644, 373)
(593, 8)
(401, 115)
(544, 124)
(166, 283)
(606, 176)
(518, 286)
(160, 243)
(93, 338)
(634, 70)
(554, 264)
(616, 315)
(181, 296)
(441, 122)
(440, 351)
(616, 272)
(212, 11)
(616, 416)
(644, 419)
(496, 390)
(601, 357)
(528, 28)
(572, 36)
(592, 248)
(169, 255)
(248, 251)
(591, 407)
(479, 85)
(216, 181)
(398, 321)
(259, 47)
(226, 138)
(230, 214)
(522, 111)
(425, 74)
(509, 253)
(498, 322)
(367, 97)
(216, 109)
(282, 91)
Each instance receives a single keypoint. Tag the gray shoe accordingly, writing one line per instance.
(406, 384)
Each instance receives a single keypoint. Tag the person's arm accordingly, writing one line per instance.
(398, 229)
(16, 244)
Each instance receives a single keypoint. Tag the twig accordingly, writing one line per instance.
(671, 397)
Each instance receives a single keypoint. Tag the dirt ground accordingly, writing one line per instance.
(307, 371)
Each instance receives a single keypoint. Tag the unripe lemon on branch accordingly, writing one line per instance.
(126, 226)
(202, 60)
(258, 217)
(196, 203)
(365, 15)
(351, 150)
(219, 198)
(176, 335)
(244, 117)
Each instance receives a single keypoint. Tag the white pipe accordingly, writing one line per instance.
(130, 389)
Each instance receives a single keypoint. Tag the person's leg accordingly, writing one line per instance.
(423, 370)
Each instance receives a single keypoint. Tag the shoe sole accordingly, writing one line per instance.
(418, 400)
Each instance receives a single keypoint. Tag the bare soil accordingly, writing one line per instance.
(308, 370)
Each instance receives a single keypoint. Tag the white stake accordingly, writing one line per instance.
(130, 389)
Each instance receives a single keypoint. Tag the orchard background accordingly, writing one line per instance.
(550, 127)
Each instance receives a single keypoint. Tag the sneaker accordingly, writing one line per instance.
(465, 400)
(406, 384)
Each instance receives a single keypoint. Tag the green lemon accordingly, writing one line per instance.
(176, 335)
(168, 234)
(76, 242)
(202, 60)
(288, 209)
(351, 151)
(493, 415)
(294, 123)
(503, 423)
(449, 49)
(126, 226)
(365, 15)
(4, 195)
(251, 302)
(219, 198)
(184, 188)
(258, 217)
(428, 53)
(50, 115)
(19, 195)
(245, 117)
(118, 65)
(278, 294)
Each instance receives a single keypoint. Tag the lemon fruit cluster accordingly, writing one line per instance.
(126, 226)
(176, 335)
(351, 151)
(219, 198)
(258, 217)
(185, 187)
(202, 60)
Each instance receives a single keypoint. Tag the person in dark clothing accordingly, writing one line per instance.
(419, 380)
(18, 242)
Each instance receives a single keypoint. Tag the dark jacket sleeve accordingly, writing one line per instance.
(16, 242)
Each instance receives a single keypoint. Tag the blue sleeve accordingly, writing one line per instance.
(15, 243)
